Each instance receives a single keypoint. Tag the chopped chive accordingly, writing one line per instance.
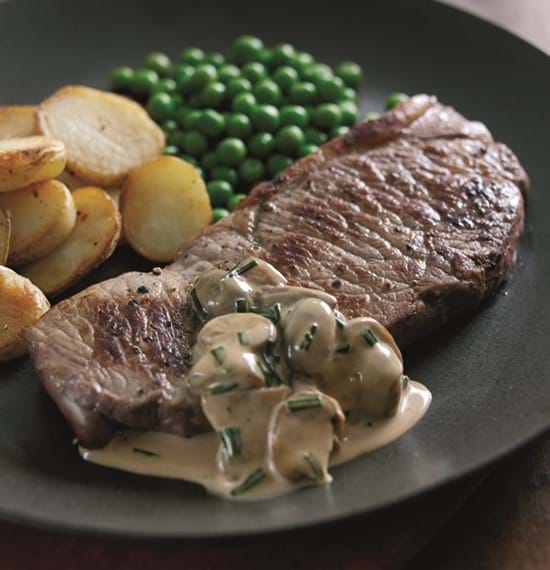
(304, 403)
(241, 305)
(370, 337)
(271, 313)
(252, 480)
(231, 441)
(316, 468)
(308, 337)
(217, 389)
(344, 348)
(243, 338)
(268, 372)
(241, 270)
(203, 315)
(216, 353)
(145, 452)
(278, 311)
(340, 323)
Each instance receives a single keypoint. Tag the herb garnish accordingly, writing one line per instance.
(145, 452)
(203, 315)
(298, 404)
(316, 468)
(217, 354)
(231, 441)
(217, 389)
(243, 269)
(269, 373)
(370, 337)
(243, 338)
(308, 337)
(252, 480)
(241, 305)
(272, 313)
(344, 348)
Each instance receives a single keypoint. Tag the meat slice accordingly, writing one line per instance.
(412, 219)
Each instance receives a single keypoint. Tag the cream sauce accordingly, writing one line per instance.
(288, 386)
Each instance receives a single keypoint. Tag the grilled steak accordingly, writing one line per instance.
(412, 218)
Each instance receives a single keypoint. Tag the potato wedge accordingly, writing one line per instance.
(92, 241)
(164, 204)
(71, 182)
(42, 215)
(22, 305)
(5, 233)
(106, 135)
(24, 161)
(16, 122)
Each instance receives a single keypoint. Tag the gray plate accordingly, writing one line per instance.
(488, 373)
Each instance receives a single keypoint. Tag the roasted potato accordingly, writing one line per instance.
(21, 304)
(42, 215)
(71, 182)
(106, 135)
(24, 161)
(5, 233)
(91, 242)
(164, 204)
(16, 122)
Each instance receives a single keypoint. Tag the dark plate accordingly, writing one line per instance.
(488, 373)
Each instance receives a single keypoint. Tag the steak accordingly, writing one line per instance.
(412, 218)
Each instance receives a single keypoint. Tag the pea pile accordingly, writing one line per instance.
(243, 117)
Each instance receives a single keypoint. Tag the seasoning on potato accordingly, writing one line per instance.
(17, 121)
(91, 242)
(164, 204)
(22, 305)
(24, 161)
(105, 135)
(5, 233)
(42, 215)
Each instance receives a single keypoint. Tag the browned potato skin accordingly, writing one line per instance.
(22, 304)
(5, 233)
(17, 121)
(92, 241)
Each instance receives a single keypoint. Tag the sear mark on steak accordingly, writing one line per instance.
(412, 219)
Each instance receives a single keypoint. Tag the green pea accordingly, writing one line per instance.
(209, 160)
(318, 72)
(225, 173)
(315, 137)
(285, 77)
(144, 81)
(167, 85)
(349, 113)
(330, 89)
(268, 92)
(254, 71)
(216, 59)
(213, 94)
(228, 72)
(237, 86)
(204, 73)
(160, 106)
(176, 139)
(195, 143)
(338, 131)
(306, 149)
(243, 103)
(158, 62)
(350, 94)
(211, 123)
(264, 57)
(178, 99)
(169, 126)
(246, 48)
(231, 151)
(350, 73)
(303, 93)
(289, 139)
(171, 150)
(181, 115)
(192, 56)
(301, 61)
(370, 116)
(277, 163)
(327, 115)
(122, 78)
(190, 159)
(282, 54)
(265, 118)
(252, 170)
(261, 145)
(195, 100)
(234, 200)
(219, 191)
(294, 115)
(218, 214)
(394, 99)
(184, 78)
(239, 126)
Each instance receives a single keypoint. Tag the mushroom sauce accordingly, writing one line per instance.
(289, 386)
